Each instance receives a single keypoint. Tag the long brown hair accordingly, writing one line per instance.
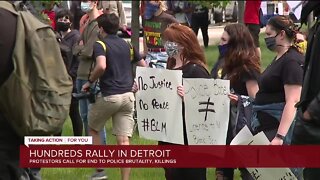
(184, 36)
(241, 56)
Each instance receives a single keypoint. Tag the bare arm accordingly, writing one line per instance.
(292, 95)
(98, 71)
(252, 88)
(99, 68)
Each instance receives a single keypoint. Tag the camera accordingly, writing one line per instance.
(90, 95)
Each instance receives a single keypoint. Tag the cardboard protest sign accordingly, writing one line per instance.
(206, 110)
(244, 137)
(159, 107)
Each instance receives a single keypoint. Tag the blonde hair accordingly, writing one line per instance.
(162, 5)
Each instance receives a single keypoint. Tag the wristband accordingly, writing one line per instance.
(280, 136)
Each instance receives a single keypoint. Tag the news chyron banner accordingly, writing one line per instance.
(79, 152)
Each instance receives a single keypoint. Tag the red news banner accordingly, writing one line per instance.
(169, 156)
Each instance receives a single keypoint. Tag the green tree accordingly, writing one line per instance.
(39, 6)
(212, 3)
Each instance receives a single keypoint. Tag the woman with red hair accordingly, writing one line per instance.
(185, 53)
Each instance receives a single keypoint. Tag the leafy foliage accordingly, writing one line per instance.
(39, 6)
(212, 3)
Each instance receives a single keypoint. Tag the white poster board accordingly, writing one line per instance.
(295, 7)
(207, 110)
(244, 137)
(159, 107)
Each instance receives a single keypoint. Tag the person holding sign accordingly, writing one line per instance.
(185, 53)
(240, 64)
(280, 84)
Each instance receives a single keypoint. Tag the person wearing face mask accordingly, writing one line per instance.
(280, 83)
(84, 50)
(186, 54)
(68, 38)
(301, 43)
(216, 71)
(155, 21)
(86, 7)
(239, 63)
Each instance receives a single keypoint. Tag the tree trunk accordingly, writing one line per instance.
(135, 24)
(240, 11)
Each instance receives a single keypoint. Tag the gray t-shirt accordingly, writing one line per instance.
(154, 27)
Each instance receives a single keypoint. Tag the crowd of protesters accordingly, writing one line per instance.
(100, 62)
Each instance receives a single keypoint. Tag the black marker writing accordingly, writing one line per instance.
(207, 108)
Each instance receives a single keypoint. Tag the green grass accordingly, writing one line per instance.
(113, 173)
(139, 173)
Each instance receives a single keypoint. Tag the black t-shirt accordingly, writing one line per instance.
(118, 76)
(200, 12)
(191, 70)
(217, 70)
(287, 70)
(239, 86)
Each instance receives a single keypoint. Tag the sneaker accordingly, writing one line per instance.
(99, 175)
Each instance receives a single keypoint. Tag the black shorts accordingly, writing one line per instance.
(254, 30)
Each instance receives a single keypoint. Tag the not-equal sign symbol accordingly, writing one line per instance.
(207, 107)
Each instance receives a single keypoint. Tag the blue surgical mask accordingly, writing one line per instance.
(86, 7)
(223, 49)
(171, 48)
(150, 10)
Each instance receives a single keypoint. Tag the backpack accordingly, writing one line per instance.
(36, 97)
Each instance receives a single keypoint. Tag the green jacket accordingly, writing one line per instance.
(85, 51)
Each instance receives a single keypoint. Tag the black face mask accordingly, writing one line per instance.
(62, 26)
(271, 42)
